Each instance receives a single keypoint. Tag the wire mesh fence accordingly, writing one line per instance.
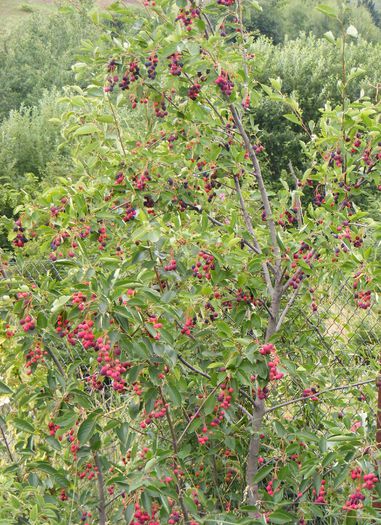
(328, 393)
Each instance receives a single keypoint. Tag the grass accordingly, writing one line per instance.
(12, 12)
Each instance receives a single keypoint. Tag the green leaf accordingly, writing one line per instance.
(262, 473)
(87, 427)
(86, 129)
(330, 37)
(58, 303)
(293, 118)
(281, 516)
(58, 476)
(209, 405)
(174, 394)
(4, 389)
(23, 425)
(327, 10)
(256, 5)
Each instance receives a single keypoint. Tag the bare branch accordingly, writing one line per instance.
(175, 455)
(101, 492)
(298, 202)
(317, 394)
(261, 186)
(197, 413)
(250, 229)
(291, 301)
(7, 444)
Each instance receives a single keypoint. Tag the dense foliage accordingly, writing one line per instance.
(155, 367)
(283, 20)
(38, 55)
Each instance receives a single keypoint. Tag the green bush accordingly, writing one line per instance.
(38, 55)
(29, 140)
(309, 68)
(287, 19)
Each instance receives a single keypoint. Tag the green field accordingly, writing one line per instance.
(14, 11)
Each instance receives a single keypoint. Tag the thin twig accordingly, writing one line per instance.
(261, 185)
(101, 492)
(317, 394)
(7, 444)
(250, 229)
(117, 127)
(197, 412)
(291, 301)
(298, 202)
(175, 454)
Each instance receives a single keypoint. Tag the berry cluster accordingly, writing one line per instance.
(309, 392)
(335, 158)
(90, 471)
(28, 323)
(224, 397)
(83, 332)
(129, 76)
(102, 237)
(136, 387)
(129, 213)
(160, 109)
(175, 66)
(204, 265)
(171, 266)
(53, 428)
(141, 517)
(244, 297)
(113, 369)
(213, 314)
(111, 83)
(194, 91)
(153, 319)
(246, 102)
(269, 488)
(56, 210)
(140, 181)
(63, 326)
(356, 473)
(189, 324)
(363, 299)
(34, 356)
(224, 83)
(20, 238)
(258, 148)
(63, 496)
(267, 349)
(369, 481)
(85, 516)
(78, 298)
(288, 218)
(111, 66)
(186, 17)
(174, 517)
(320, 497)
(22, 295)
(151, 65)
(9, 333)
(354, 502)
(226, 2)
(274, 374)
(93, 382)
(263, 393)
(149, 203)
(160, 411)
